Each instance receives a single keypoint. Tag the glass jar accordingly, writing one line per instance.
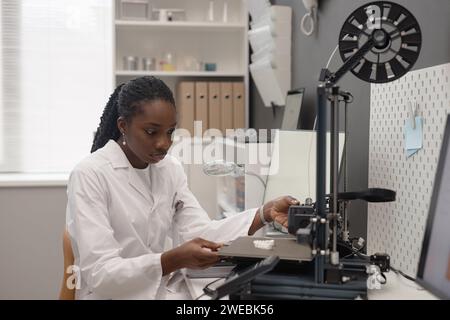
(168, 62)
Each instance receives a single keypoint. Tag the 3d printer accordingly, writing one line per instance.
(379, 42)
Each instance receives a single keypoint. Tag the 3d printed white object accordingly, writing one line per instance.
(264, 244)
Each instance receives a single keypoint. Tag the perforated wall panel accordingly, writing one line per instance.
(397, 228)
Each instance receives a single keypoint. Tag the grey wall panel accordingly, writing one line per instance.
(310, 54)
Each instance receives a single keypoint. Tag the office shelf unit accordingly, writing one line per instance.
(191, 38)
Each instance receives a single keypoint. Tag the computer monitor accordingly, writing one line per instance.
(434, 263)
(291, 116)
(292, 168)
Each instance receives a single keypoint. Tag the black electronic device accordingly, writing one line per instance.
(238, 280)
(434, 263)
(292, 109)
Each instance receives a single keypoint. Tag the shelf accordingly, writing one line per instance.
(179, 73)
(192, 40)
(182, 25)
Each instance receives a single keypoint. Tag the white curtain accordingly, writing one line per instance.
(56, 62)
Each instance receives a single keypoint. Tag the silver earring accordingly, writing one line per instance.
(123, 139)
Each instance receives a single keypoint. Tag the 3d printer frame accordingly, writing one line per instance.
(379, 42)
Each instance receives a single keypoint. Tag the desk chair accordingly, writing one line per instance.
(66, 293)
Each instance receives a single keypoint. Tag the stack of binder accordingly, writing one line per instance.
(270, 40)
(218, 105)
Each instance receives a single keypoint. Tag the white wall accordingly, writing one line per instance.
(31, 225)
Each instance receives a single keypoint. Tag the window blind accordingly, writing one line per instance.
(56, 76)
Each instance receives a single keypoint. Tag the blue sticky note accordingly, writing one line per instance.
(410, 152)
(413, 137)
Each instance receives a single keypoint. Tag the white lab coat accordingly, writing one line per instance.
(118, 233)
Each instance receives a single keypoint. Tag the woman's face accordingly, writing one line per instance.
(148, 134)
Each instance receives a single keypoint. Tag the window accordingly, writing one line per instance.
(56, 76)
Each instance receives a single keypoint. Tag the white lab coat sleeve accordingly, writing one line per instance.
(105, 272)
(192, 221)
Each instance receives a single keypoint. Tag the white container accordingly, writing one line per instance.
(130, 63)
(135, 10)
(148, 64)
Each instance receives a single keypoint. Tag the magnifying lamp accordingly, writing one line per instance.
(222, 168)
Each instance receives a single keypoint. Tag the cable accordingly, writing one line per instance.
(200, 296)
(250, 173)
(403, 274)
(356, 252)
(309, 16)
(331, 56)
(205, 289)
(212, 282)
(384, 277)
(333, 53)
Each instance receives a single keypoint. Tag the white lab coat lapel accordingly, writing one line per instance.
(136, 183)
(119, 160)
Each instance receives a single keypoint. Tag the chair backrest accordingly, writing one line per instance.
(66, 293)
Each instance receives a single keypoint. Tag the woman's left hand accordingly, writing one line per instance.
(277, 209)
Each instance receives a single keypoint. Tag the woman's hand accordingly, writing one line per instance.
(274, 210)
(195, 254)
(277, 209)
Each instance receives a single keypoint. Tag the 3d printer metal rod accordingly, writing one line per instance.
(321, 180)
(321, 150)
(334, 163)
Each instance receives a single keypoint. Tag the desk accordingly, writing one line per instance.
(396, 288)
(400, 288)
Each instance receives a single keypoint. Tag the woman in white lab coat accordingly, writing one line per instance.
(129, 196)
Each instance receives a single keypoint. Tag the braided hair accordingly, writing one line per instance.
(125, 102)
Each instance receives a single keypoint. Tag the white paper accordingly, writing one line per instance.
(267, 83)
(258, 8)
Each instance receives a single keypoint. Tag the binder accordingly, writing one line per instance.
(238, 105)
(186, 105)
(201, 104)
(214, 105)
(226, 106)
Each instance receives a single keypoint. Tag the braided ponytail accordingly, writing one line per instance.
(108, 122)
